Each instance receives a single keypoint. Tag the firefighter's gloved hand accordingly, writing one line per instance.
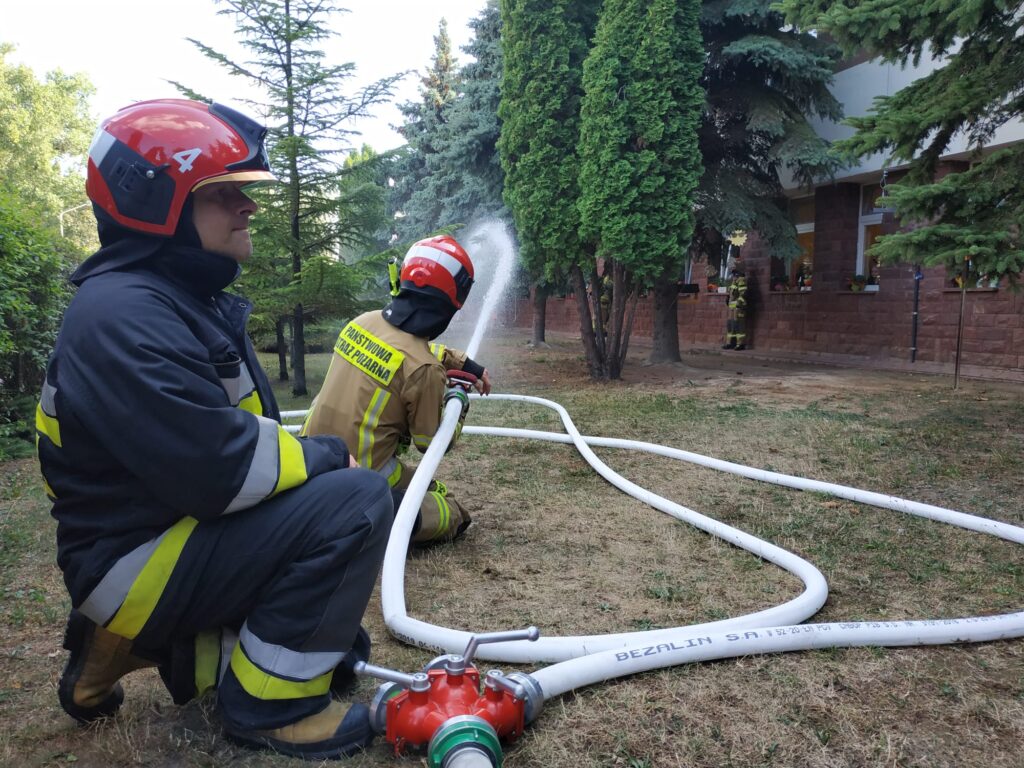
(459, 385)
(457, 393)
(483, 384)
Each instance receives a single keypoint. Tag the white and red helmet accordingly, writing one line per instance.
(440, 267)
(147, 158)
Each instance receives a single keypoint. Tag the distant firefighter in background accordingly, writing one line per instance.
(736, 319)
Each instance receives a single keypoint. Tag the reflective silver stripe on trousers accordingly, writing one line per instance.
(47, 400)
(103, 602)
(282, 662)
(263, 471)
(239, 386)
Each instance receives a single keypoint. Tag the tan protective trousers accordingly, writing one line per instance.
(441, 517)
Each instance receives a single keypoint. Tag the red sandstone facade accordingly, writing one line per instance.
(832, 324)
(829, 322)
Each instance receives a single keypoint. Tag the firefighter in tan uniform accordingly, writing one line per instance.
(386, 384)
(736, 321)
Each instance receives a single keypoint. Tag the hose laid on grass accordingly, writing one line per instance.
(594, 658)
(552, 648)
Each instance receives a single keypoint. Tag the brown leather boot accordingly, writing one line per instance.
(340, 730)
(89, 687)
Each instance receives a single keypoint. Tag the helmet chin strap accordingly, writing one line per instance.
(186, 232)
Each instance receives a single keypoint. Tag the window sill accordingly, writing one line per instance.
(794, 292)
(970, 290)
(858, 293)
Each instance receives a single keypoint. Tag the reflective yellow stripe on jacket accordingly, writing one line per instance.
(368, 426)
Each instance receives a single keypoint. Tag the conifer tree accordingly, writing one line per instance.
(764, 81)
(976, 89)
(420, 190)
(310, 117)
(640, 163)
(471, 132)
(544, 43)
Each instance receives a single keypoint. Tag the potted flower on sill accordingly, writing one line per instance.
(857, 282)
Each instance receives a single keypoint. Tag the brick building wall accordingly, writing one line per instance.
(831, 323)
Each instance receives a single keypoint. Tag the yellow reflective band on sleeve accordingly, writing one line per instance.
(368, 427)
(374, 357)
(46, 485)
(265, 686)
(396, 474)
(252, 403)
(421, 441)
(47, 425)
(149, 584)
(437, 350)
(207, 660)
(444, 514)
(291, 461)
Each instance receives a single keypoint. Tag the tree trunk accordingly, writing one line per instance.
(618, 328)
(282, 349)
(298, 329)
(620, 361)
(595, 363)
(540, 311)
(665, 336)
(299, 353)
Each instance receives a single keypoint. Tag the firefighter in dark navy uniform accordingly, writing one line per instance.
(194, 533)
(387, 384)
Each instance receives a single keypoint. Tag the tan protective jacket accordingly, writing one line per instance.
(383, 385)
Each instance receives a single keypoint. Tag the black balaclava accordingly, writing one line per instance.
(119, 247)
(208, 272)
(420, 314)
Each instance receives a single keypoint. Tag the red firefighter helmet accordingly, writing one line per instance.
(146, 159)
(438, 266)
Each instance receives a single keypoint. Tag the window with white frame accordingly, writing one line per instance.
(872, 213)
(795, 273)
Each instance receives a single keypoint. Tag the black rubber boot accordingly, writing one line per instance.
(730, 345)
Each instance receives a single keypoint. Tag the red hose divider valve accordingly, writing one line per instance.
(414, 716)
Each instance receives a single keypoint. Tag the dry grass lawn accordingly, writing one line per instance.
(554, 545)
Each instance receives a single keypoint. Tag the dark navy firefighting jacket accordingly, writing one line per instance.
(155, 408)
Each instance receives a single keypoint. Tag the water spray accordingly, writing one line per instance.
(462, 721)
